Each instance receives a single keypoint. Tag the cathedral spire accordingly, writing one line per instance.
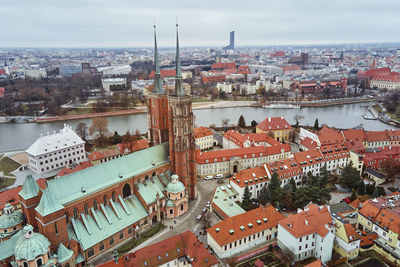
(157, 85)
(178, 78)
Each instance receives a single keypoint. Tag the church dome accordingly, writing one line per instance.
(30, 245)
(10, 218)
(175, 186)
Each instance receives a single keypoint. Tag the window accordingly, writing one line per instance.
(111, 240)
(130, 230)
(113, 196)
(56, 228)
(121, 235)
(171, 211)
(105, 200)
(86, 209)
(95, 204)
(299, 247)
(75, 213)
(101, 247)
(90, 252)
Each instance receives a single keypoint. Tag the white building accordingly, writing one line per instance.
(35, 73)
(225, 87)
(204, 138)
(55, 151)
(248, 89)
(308, 233)
(109, 83)
(244, 231)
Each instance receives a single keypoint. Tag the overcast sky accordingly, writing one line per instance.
(128, 23)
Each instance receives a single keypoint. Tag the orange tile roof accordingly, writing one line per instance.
(103, 154)
(180, 245)
(164, 74)
(376, 136)
(80, 166)
(133, 146)
(354, 135)
(309, 143)
(355, 204)
(331, 138)
(308, 158)
(239, 138)
(202, 132)
(230, 65)
(316, 263)
(351, 232)
(224, 155)
(274, 123)
(332, 152)
(327, 130)
(312, 220)
(255, 217)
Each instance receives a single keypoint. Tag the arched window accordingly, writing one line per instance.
(113, 196)
(126, 190)
(171, 211)
(121, 235)
(181, 195)
(75, 213)
(182, 206)
(146, 177)
(39, 262)
(111, 240)
(86, 209)
(105, 200)
(95, 204)
(90, 252)
(25, 264)
(153, 174)
(66, 216)
(101, 247)
(66, 265)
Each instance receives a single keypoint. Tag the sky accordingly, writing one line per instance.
(129, 23)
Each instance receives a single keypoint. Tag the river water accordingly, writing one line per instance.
(14, 136)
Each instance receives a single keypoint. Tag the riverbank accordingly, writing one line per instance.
(90, 115)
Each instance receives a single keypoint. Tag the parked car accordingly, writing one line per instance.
(208, 177)
(199, 217)
(208, 204)
(204, 210)
(219, 176)
(347, 200)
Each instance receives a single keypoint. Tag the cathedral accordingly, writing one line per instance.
(79, 216)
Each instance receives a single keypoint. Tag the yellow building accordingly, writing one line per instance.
(278, 127)
(347, 240)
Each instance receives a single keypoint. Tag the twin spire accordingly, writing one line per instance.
(157, 87)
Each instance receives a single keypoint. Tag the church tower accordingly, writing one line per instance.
(157, 105)
(181, 139)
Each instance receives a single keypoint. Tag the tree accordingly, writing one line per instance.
(353, 195)
(246, 202)
(264, 197)
(324, 176)
(361, 188)
(316, 124)
(241, 122)
(99, 131)
(275, 191)
(297, 119)
(116, 138)
(392, 169)
(82, 130)
(376, 192)
(225, 123)
(253, 123)
(350, 177)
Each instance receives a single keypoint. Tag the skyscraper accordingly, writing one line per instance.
(231, 45)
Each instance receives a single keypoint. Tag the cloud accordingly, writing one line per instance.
(123, 23)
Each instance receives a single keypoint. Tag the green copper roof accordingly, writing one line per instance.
(223, 198)
(157, 86)
(87, 181)
(7, 246)
(48, 203)
(63, 254)
(30, 188)
(169, 203)
(11, 220)
(178, 78)
(175, 187)
(91, 231)
(149, 190)
(29, 246)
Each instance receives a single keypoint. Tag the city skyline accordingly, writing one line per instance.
(125, 24)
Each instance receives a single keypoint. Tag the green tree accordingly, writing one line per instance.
(350, 177)
(376, 192)
(116, 138)
(316, 124)
(264, 197)
(324, 176)
(353, 195)
(275, 191)
(246, 202)
(301, 197)
(241, 122)
(253, 123)
(313, 180)
(361, 188)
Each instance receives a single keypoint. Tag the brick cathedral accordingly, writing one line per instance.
(170, 119)
(79, 216)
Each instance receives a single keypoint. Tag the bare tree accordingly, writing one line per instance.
(99, 131)
(82, 130)
(297, 118)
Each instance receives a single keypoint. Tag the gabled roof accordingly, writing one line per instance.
(87, 181)
(274, 123)
(376, 136)
(220, 155)
(309, 143)
(312, 220)
(202, 132)
(184, 245)
(63, 254)
(48, 203)
(30, 188)
(308, 157)
(245, 224)
(354, 135)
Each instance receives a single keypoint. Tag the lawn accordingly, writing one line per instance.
(142, 237)
(4, 182)
(7, 165)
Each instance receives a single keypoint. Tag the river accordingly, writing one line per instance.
(14, 136)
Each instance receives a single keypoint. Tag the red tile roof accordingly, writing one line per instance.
(351, 232)
(164, 74)
(312, 220)
(224, 155)
(376, 136)
(230, 65)
(80, 166)
(309, 143)
(316, 263)
(202, 132)
(254, 217)
(274, 123)
(103, 154)
(180, 245)
(308, 157)
(332, 152)
(239, 138)
(133, 146)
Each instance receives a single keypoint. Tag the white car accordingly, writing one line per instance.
(208, 177)
(208, 204)
(219, 176)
